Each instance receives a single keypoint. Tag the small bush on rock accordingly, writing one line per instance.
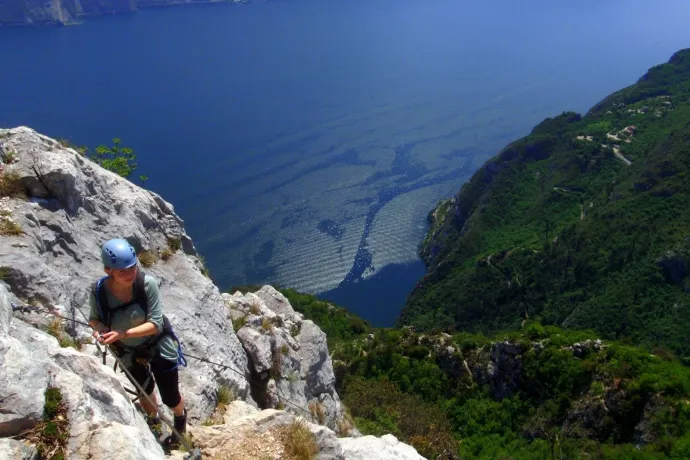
(318, 412)
(147, 258)
(118, 159)
(239, 323)
(9, 228)
(224, 396)
(166, 254)
(11, 185)
(266, 324)
(50, 436)
(174, 244)
(298, 441)
(8, 157)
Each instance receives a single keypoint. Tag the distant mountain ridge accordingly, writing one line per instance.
(63, 12)
(584, 223)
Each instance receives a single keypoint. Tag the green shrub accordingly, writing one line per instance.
(8, 157)
(298, 441)
(266, 324)
(11, 185)
(118, 159)
(379, 407)
(51, 434)
(10, 228)
(174, 244)
(224, 396)
(239, 323)
(147, 258)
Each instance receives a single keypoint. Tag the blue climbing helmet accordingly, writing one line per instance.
(118, 254)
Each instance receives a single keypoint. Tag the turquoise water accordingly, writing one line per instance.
(304, 142)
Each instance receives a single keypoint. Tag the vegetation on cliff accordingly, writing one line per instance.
(584, 224)
(541, 392)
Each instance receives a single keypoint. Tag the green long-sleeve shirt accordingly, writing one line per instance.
(134, 316)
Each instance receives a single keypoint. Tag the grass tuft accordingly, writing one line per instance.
(318, 412)
(239, 323)
(9, 228)
(174, 244)
(51, 434)
(11, 185)
(298, 441)
(266, 324)
(224, 396)
(147, 258)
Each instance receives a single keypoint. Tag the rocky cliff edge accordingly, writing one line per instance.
(56, 209)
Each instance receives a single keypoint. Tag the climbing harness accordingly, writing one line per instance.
(146, 351)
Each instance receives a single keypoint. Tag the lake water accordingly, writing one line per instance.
(304, 142)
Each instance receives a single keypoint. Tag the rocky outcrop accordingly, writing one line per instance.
(383, 448)
(675, 265)
(289, 358)
(59, 12)
(582, 350)
(103, 422)
(73, 206)
(250, 434)
(500, 369)
(16, 450)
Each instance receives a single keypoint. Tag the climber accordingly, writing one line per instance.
(126, 314)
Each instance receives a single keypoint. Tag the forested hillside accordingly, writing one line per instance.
(584, 223)
(541, 392)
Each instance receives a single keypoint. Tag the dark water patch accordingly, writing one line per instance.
(402, 166)
(289, 221)
(348, 157)
(458, 153)
(380, 298)
(263, 257)
(331, 228)
(362, 201)
(363, 257)
(238, 182)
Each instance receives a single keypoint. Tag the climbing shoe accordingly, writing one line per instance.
(155, 425)
(180, 424)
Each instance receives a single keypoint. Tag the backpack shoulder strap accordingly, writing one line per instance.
(140, 292)
(101, 301)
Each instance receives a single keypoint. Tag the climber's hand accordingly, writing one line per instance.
(97, 333)
(113, 336)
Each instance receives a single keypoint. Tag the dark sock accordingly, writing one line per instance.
(180, 423)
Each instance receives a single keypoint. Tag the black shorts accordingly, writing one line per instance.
(165, 376)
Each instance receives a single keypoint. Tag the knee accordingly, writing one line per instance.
(171, 398)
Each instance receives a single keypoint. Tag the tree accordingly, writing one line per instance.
(118, 159)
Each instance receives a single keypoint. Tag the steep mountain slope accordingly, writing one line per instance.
(56, 209)
(584, 223)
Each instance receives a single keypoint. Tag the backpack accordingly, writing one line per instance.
(148, 349)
